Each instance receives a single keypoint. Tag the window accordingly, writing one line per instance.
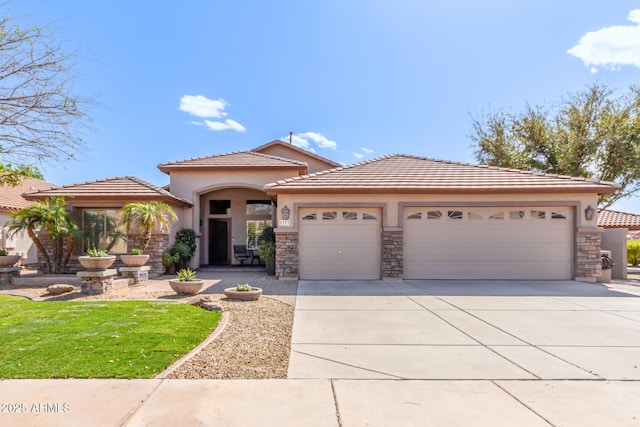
(329, 216)
(538, 214)
(556, 215)
(103, 231)
(417, 215)
(455, 214)
(259, 207)
(475, 216)
(516, 214)
(219, 207)
(369, 217)
(310, 217)
(434, 215)
(255, 227)
(350, 216)
(496, 216)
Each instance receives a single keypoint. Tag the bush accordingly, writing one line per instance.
(185, 247)
(633, 252)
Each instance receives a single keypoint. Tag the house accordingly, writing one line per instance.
(11, 200)
(609, 219)
(397, 216)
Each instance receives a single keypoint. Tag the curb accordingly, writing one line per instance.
(216, 332)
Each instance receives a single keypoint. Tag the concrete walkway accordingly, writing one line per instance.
(488, 354)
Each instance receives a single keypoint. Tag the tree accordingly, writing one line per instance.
(52, 216)
(40, 117)
(147, 217)
(590, 133)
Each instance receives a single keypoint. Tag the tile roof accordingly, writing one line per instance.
(295, 148)
(233, 160)
(121, 187)
(615, 219)
(11, 197)
(404, 173)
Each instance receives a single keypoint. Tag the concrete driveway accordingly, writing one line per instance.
(465, 330)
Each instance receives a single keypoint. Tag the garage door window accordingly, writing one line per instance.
(369, 217)
(516, 215)
(475, 216)
(417, 215)
(329, 216)
(434, 215)
(496, 216)
(310, 217)
(538, 214)
(350, 216)
(555, 215)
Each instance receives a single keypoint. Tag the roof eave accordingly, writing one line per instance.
(275, 189)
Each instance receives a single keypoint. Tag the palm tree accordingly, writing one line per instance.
(147, 217)
(52, 216)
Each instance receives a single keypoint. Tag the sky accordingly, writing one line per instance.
(352, 79)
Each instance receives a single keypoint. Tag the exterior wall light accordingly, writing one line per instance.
(285, 212)
(589, 213)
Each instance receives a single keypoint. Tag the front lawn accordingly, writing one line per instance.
(115, 339)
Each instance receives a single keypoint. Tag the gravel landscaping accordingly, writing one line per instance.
(255, 343)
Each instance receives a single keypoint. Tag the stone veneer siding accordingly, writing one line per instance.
(392, 254)
(158, 244)
(588, 262)
(287, 254)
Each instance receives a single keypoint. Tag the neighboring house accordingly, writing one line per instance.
(11, 200)
(615, 219)
(396, 216)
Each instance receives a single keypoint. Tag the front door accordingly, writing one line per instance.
(218, 241)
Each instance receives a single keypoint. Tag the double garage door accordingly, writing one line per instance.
(488, 243)
(440, 243)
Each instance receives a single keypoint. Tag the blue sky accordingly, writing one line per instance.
(353, 79)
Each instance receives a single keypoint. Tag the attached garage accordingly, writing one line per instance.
(339, 243)
(510, 242)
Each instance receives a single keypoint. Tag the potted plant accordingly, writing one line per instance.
(169, 261)
(244, 292)
(96, 259)
(7, 260)
(267, 250)
(187, 283)
(134, 258)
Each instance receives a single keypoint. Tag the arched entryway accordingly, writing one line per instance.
(232, 216)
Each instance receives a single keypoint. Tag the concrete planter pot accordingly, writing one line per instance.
(134, 260)
(96, 263)
(252, 295)
(186, 288)
(270, 264)
(9, 260)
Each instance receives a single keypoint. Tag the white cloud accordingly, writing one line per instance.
(304, 140)
(226, 125)
(611, 47)
(367, 150)
(358, 155)
(200, 106)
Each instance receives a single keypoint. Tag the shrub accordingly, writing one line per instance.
(243, 288)
(95, 253)
(187, 275)
(633, 252)
(184, 247)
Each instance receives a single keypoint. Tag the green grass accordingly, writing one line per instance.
(118, 339)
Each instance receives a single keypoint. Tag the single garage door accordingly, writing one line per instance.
(339, 243)
(488, 243)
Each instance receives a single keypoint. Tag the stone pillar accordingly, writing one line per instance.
(287, 254)
(588, 262)
(138, 274)
(392, 253)
(97, 282)
(7, 273)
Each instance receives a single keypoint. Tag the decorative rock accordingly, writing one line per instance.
(199, 300)
(211, 306)
(59, 289)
